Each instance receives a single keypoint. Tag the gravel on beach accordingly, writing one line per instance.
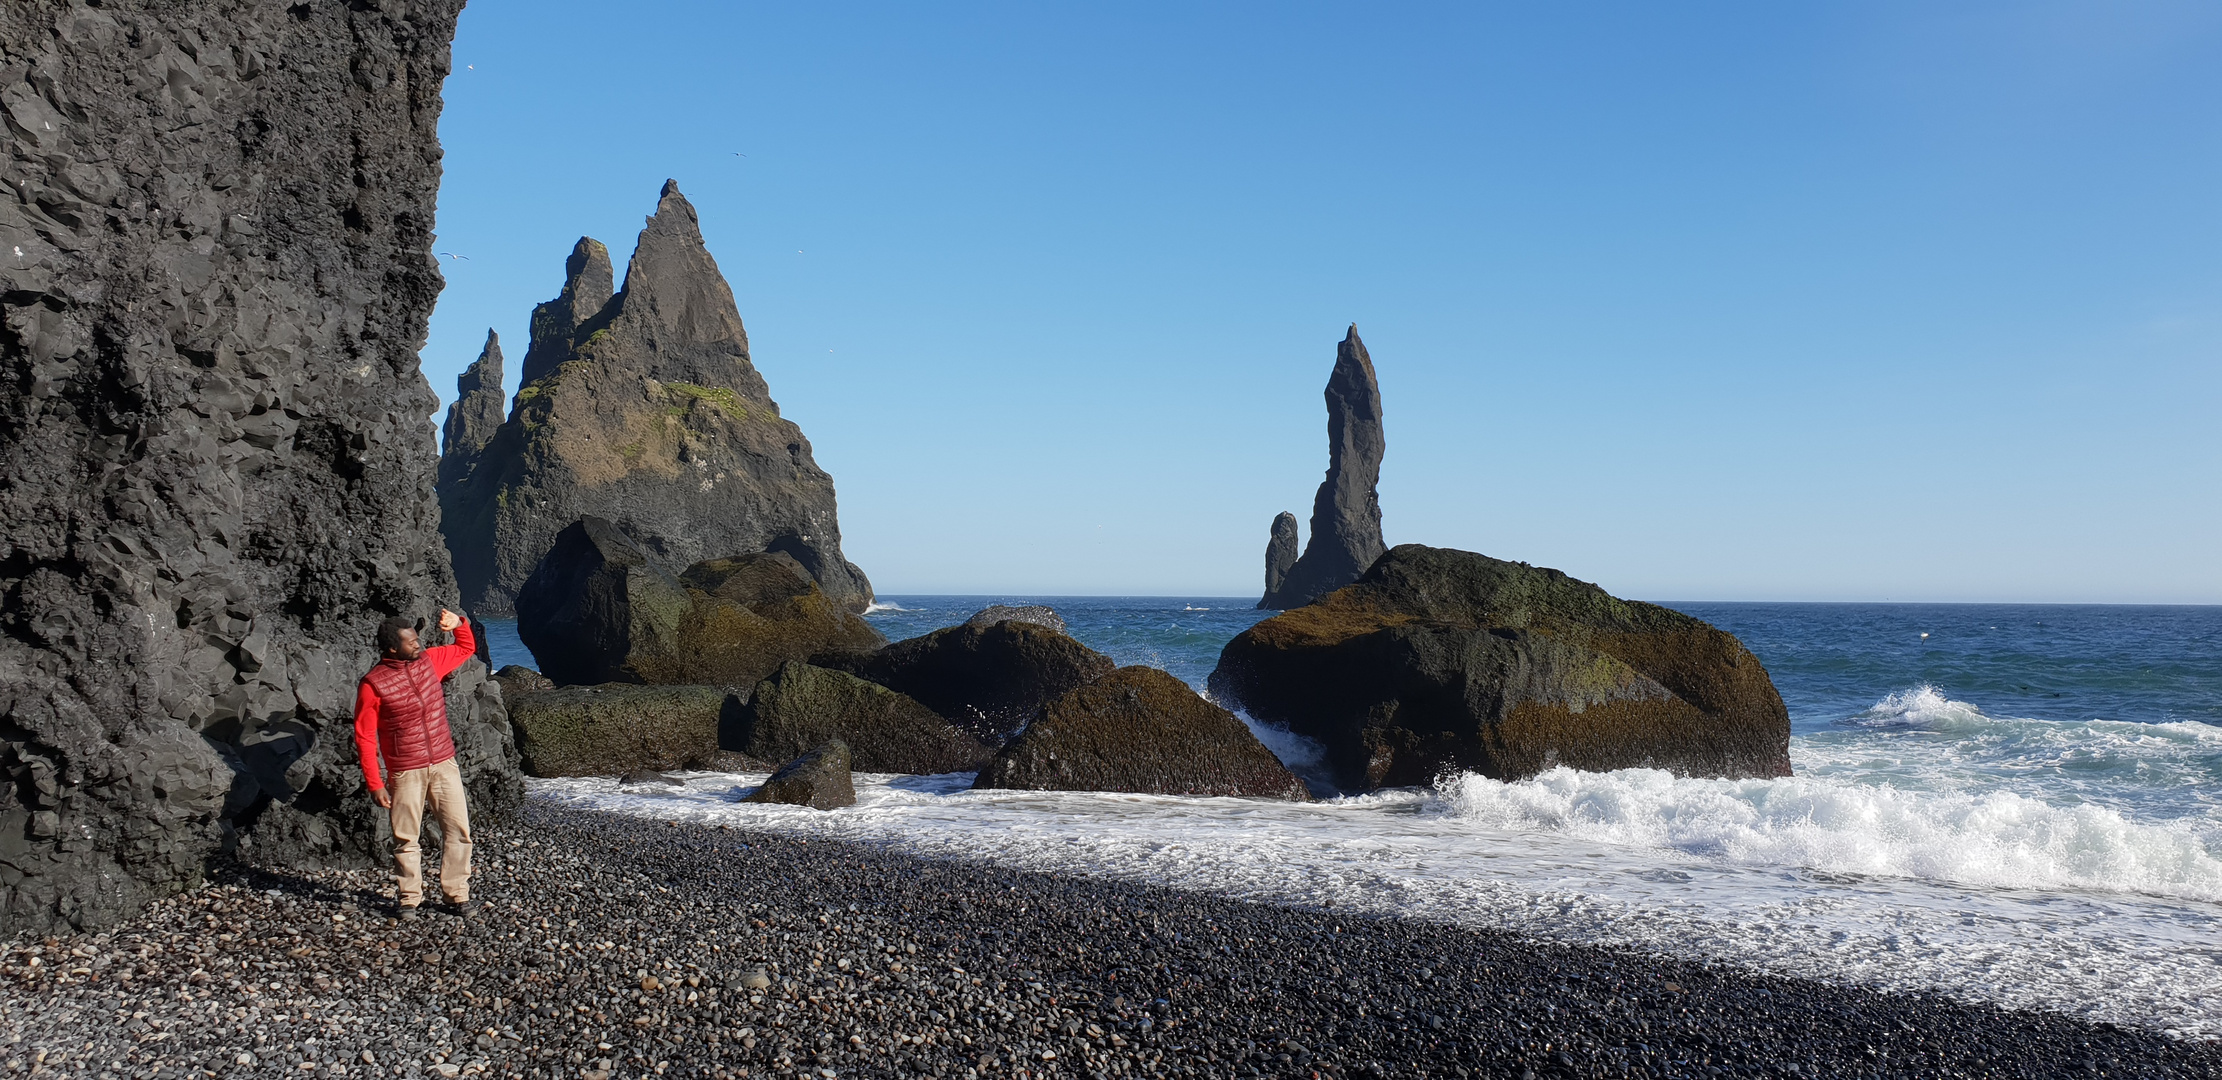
(611, 946)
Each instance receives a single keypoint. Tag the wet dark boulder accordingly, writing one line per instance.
(215, 465)
(601, 609)
(989, 680)
(802, 706)
(1139, 729)
(640, 404)
(817, 778)
(1439, 659)
(618, 728)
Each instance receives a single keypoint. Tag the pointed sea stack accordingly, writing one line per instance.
(476, 414)
(1346, 514)
(1280, 555)
(642, 406)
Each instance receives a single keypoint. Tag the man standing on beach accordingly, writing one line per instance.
(401, 716)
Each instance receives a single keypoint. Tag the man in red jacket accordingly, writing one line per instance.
(401, 716)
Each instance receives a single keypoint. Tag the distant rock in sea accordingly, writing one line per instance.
(1280, 556)
(818, 778)
(1346, 513)
(641, 406)
(1139, 729)
(216, 267)
(1440, 659)
(1037, 614)
(476, 414)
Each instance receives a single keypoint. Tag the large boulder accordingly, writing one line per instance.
(215, 465)
(802, 706)
(640, 404)
(601, 609)
(1439, 659)
(1140, 729)
(617, 728)
(1346, 511)
(817, 778)
(989, 680)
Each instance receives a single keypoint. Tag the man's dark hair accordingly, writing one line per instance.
(389, 632)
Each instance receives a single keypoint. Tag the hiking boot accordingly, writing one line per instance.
(464, 908)
(405, 912)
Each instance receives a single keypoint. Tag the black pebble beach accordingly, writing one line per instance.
(611, 946)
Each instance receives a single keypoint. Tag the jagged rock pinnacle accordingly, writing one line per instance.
(1346, 513)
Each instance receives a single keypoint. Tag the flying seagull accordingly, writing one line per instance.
(451, 255)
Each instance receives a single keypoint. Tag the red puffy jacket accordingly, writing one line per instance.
(401, 709)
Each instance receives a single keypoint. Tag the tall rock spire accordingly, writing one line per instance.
(642, 407)
(475, 415)
(1346, 513)
(1280, 555)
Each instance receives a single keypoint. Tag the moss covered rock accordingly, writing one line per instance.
(600, 609)
(1439, 659)
(1140, 729)
(802, 706)
(616, 729)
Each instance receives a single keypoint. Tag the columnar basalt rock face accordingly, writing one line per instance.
(215, 454)
(476, 414)
(643, 407)
(1439, 659)
(1346, 513)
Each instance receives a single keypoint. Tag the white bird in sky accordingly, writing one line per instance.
(451, 255)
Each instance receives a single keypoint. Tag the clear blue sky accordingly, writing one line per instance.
(1854, 301)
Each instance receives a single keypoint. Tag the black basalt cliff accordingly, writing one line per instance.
(1346, 513)
(216, 459)
(641, 406)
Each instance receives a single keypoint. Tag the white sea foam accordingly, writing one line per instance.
(875, 607)
(1997, 839)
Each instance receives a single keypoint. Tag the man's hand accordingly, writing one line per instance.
(449, 621)
(382, 797)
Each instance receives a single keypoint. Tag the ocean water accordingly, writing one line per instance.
(2013, 804)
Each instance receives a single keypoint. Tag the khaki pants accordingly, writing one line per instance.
(441, 788)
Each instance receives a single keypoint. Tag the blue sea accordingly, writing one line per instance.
(2018, 804)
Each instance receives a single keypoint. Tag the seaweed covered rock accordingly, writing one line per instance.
(616, 729)
(989, 680)
(817, 778)
(215, 274)
(1140, 729)
(601, 609)
(641, 405)
(802, 706)
(1442, 659)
